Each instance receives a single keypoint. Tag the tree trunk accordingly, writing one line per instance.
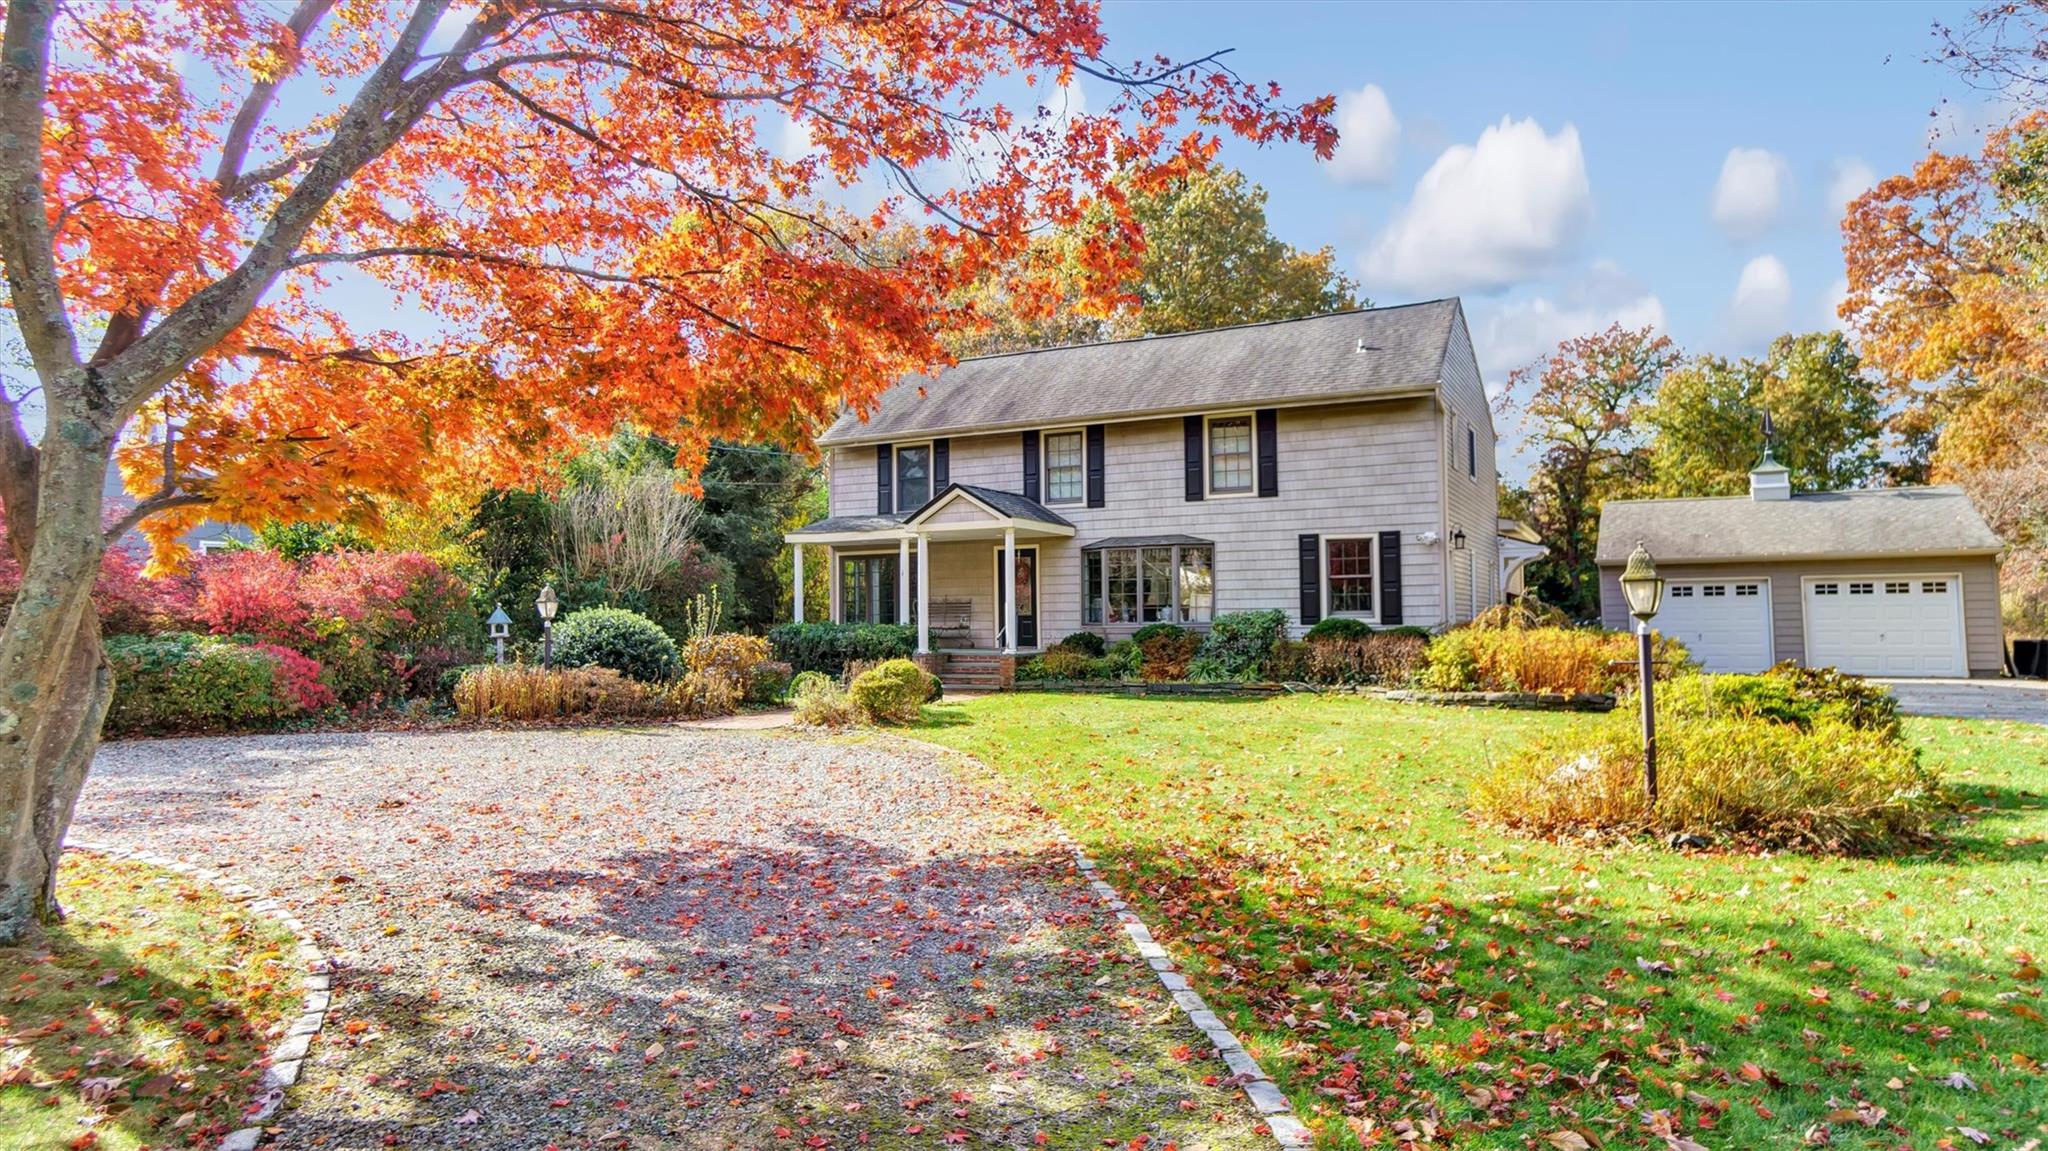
(54, 681)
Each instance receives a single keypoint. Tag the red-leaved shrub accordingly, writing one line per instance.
(298, 679)
(253, 593)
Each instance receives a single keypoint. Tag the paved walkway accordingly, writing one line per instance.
(2025, 700)
(680, 939)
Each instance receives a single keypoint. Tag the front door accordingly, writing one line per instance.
(1027, 598)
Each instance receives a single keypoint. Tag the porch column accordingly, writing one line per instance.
(832, 581)
(903, 579)
(796, 563)
(924, 594)
(1009, 591)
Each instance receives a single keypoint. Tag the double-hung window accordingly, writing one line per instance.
(1348, 576)
(1231, 467)
(867, 589)
(1066, 470)
(913, 476)
(1165, 583)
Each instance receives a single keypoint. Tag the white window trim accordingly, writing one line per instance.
(1372, 539)
(1209, 490)
(896, 474)
(1045, 468)
(217, 544)
(841, 555)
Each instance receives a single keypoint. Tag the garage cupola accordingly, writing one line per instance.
(1770, 480)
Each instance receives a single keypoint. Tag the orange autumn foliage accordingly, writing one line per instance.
(597, 211)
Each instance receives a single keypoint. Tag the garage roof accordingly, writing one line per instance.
(1815, 525)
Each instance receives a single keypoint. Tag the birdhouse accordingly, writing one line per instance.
(501, 624)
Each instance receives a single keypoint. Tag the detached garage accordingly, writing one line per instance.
(1896, 582)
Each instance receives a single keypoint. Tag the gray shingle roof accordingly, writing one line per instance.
(867, 523)
(1287, 361)
(1012, 504)
(1147, 542)
(1813, 525)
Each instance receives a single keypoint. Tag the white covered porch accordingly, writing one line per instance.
(931, 561)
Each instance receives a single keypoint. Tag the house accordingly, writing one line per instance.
(1339, 465)
(1888, 582)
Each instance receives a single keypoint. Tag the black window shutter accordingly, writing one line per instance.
(942, 464)
(1267, 423)
(1192, 433)
(885, 480)
(1031, 491)
(1311, 580)
(1390, 577)
(1096, 490)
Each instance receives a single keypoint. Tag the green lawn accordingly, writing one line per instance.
(135, 1024)
(1404, 972)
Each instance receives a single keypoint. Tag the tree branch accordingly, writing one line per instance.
(33, 286)
(249, 117)
(149, 507)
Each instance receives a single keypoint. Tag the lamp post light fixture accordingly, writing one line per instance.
(547, 605)
(1644, 589)
(501, 628)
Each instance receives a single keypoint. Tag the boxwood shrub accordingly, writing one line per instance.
(1338, 627)
(829, 647)
(179, 682)
(626, 642)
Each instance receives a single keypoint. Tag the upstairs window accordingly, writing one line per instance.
(1231, 468)
(913, 476)
(1066, 473)
(1472, 453)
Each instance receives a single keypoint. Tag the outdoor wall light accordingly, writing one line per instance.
(1458, 540)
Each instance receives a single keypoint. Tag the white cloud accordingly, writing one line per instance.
(1368, 138)
(1762, 303)
(1749, 192)
(1488, 215)
(1848, 179)
(1517, 333)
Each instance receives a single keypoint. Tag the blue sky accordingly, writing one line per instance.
(1562, 167)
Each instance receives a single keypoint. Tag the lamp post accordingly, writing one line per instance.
(1645, 591)
(501, 627)
(546, 604)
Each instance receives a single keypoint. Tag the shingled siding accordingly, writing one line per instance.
(1473, 502)
(1983, 630)
(1352, 469)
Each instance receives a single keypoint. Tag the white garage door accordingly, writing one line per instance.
(1724, 623)
(1886, 625)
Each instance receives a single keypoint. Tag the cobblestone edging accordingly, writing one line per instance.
(1270, 1102)
(290, 1053)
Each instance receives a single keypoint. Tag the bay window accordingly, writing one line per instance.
(1141, 584)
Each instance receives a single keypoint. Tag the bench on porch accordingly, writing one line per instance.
(951, 619)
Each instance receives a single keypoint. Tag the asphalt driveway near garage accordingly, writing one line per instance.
(2024, 700)
(680, 939)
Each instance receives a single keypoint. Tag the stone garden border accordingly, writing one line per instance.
(290, 1053)
(1514, 700)
(1267, 1098)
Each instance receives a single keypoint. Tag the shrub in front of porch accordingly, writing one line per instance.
(1165, 652)
(829, 647)
(894, 691)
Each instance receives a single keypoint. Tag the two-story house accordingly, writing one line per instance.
(1339, 465)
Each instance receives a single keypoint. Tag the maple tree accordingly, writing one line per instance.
(1582, 412)
(578, 192)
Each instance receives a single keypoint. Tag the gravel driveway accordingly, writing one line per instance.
(682, 939)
